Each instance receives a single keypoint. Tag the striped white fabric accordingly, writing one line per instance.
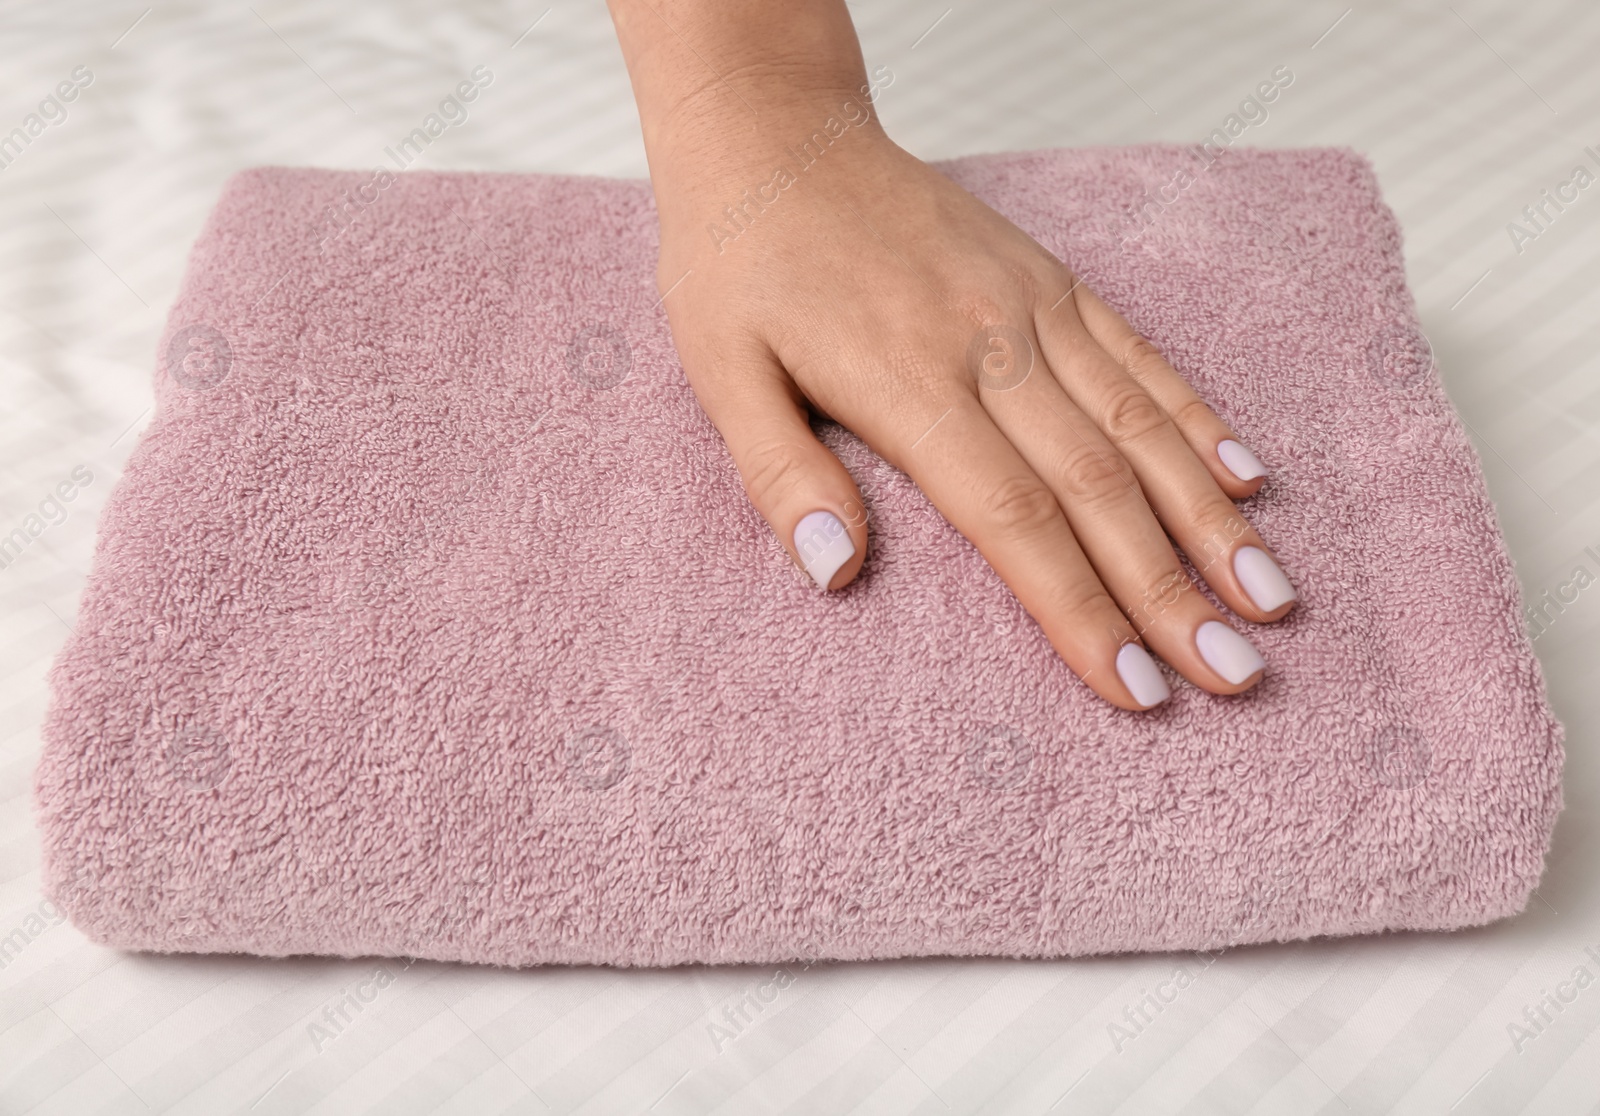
(1477, 116)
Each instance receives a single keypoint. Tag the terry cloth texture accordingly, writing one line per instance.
(430, 617)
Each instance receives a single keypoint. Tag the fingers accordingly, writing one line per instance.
(1234, 467)
(1181, 488)
(1106, 510)
(798, 486)
(979, 482)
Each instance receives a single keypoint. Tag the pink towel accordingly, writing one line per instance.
(430, 618)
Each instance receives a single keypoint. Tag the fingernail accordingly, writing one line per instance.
(1140, 674)
(1262, 578)
(823, 545)
(1227, 652)
(1240, 461)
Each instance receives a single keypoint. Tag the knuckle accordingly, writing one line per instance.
(1020, 506)
(983, 310)
(996, 295)
(1142, 355)
(1158, 593)
(1132, 414)
(1217, 528)
(1023, 277)
(1086, 606)
(1166, 586)
(772, 470)
(1091, 473)
(1196, 410)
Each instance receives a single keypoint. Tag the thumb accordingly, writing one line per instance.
(802, 490)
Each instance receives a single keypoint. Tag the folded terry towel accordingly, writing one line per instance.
(430, 618)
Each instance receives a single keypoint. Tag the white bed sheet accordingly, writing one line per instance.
(1469, 113)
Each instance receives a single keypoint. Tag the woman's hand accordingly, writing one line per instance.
(809, 263)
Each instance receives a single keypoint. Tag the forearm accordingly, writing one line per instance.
(723, 86)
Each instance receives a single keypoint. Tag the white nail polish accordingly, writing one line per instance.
(1262, 578)
(1227, 652)
(1240, 461)
(823, 545)
(1140, 674)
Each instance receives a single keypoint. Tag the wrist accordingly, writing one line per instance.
(726, 87)
(711, 139)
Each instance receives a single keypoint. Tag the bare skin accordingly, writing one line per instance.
(872, 290)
